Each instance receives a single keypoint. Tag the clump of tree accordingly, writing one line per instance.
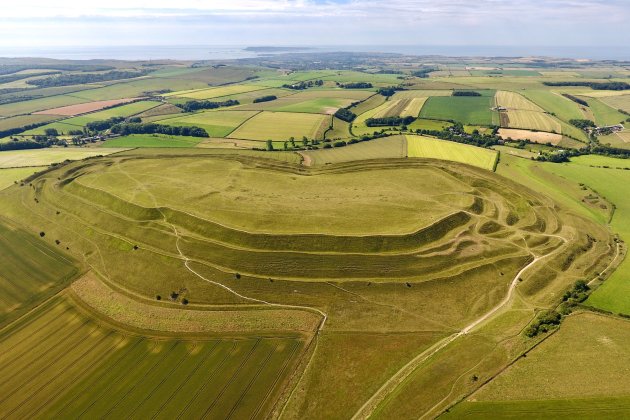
(102, 125)
(555, 157)
(423, 73)
(76, 79)
(466, 93)
(389, 91)
(593, 85)
(152, 128)
(578, 294)
(388, 71)
(345, 115)
(303, 85)
(191, 106)
(355, 85)
(265, 98)
(389, 121)
(575, 99)
(582, 124)
(543, 323)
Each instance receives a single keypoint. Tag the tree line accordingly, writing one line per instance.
(593, 85)
(389, 121)
(355, 85)
(265, 98)
(575, 99)
(191, 106)
(423, 73)
(303, 85)
(151, 128)
(466, 93)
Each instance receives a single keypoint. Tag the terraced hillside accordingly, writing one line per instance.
(434, 256)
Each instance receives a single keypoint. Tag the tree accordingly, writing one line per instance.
(269, 145)
(51, 132)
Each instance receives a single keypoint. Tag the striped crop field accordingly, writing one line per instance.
(79, 366)
(31, 270)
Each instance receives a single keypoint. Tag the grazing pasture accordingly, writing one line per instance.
(467, 110)
(604, 114)
(426, 147)
(282, 126)
(559, 375)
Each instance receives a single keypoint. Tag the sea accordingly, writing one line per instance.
(229, 52)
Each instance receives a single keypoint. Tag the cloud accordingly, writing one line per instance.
(545, 22)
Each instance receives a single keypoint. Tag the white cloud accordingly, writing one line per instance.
(544, 22)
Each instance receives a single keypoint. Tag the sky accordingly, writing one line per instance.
(42, 23)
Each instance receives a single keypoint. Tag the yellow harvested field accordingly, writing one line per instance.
(600, 93)
(531, 120)
(511, 100)
(426, 147)
(283, 125)
(413, 107)
(79, 109)
(216, 92)
(535, 136)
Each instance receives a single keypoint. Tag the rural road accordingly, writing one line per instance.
(399, 377)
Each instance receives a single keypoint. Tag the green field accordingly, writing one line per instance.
(604, 114)
(151, 140)
(282, 126)
(216, 123)
(467, 110)
(554, 102)
(427, 147)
